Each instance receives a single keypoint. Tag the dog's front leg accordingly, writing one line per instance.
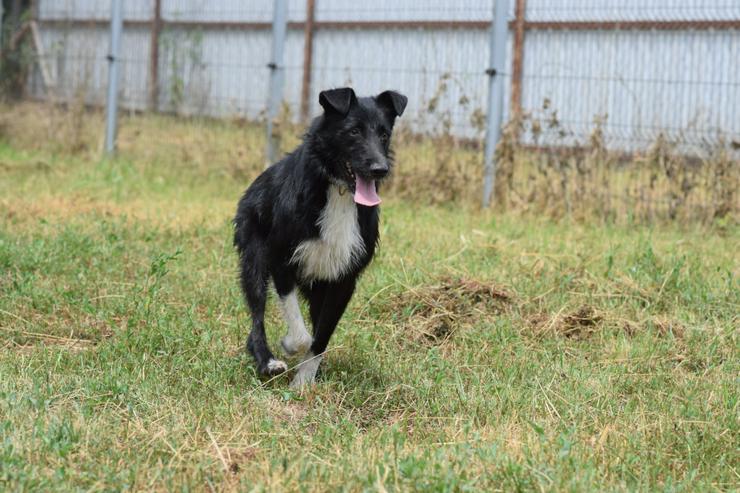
(336, 297)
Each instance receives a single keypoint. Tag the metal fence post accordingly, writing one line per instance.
(116, 28)
(277, 75)
(307, 59)
(496, 80)
(2, 12)
(154, 56)
(517, 64)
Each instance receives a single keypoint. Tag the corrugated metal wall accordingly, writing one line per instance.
(683, 82)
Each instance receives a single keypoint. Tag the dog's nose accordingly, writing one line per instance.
(378, 170)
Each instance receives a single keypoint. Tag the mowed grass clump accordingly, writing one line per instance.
(480, 352)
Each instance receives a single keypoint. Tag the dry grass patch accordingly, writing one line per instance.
(162, 213)
(578, 324)
(437, 310)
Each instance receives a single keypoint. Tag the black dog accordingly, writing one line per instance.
(311, 221)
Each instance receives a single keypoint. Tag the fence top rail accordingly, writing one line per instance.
(635, 25)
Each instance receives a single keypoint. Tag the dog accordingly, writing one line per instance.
(310, 221)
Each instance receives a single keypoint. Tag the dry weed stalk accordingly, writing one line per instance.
(541, 168)
(555, 175)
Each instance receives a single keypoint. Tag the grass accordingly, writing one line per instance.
(482, 351)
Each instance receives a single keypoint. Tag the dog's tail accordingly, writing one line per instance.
(240, 236)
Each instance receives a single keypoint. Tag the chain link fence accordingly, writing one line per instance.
(648, 87)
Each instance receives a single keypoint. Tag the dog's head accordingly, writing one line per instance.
(355, 139)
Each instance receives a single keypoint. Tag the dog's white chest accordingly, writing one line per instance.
(339, 245)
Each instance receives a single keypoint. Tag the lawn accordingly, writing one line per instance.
(482, 351)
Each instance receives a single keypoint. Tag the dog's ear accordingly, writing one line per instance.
(337, 100)
(393, 102)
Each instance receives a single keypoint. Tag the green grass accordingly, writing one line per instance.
(611, 365)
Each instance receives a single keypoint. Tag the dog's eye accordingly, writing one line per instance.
(384, 137)
(355, 132)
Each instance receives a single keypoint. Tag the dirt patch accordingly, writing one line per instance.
(436, 312)
(586, 320)
(662, 326)
(578, 324)
(236, 458)
(666, 326)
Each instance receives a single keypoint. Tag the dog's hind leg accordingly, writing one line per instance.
(254, 285)
(297, 339)
(335, 296)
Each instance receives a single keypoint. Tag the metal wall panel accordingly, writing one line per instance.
(219, 73)
(404, 10)
(414, 63)
(92, 9)
(631, 10)
(229, 10)
(644, 82)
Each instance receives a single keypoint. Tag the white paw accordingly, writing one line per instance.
(292, 344)
(301, 381)
(306, 374)
(275, 366)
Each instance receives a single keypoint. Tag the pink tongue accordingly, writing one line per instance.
(365, 193)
